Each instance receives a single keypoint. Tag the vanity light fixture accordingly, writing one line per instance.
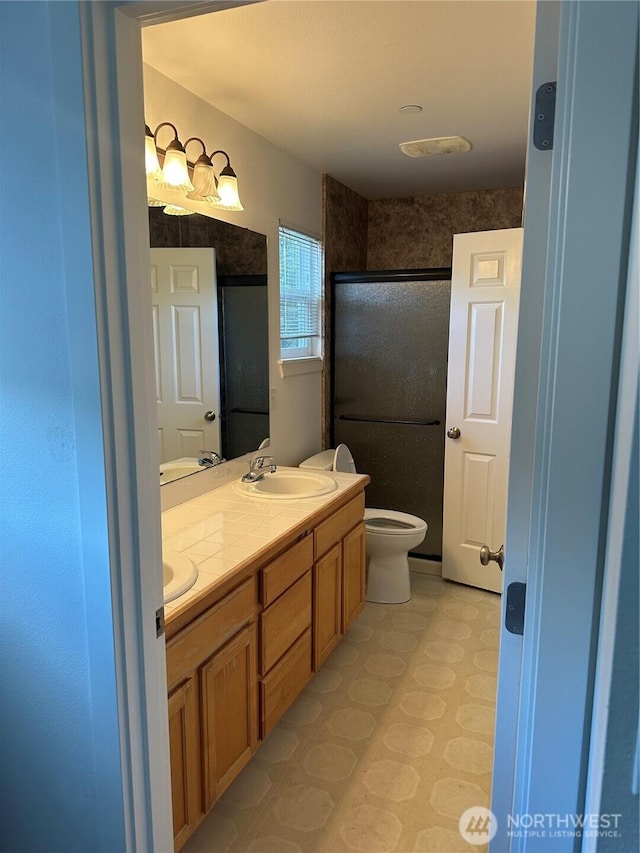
(198, 181)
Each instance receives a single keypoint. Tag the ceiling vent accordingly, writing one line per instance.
(438, 145)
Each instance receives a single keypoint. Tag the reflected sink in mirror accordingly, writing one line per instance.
(178, 468)
(288, 485)
(179, 573)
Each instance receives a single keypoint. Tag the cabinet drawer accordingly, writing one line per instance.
(285, 681)
(285, 570)
(338, 525)
(210, 631)
(284, 621)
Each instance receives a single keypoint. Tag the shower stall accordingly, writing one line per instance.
(388, 387)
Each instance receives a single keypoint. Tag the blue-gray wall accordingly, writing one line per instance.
(60, 783)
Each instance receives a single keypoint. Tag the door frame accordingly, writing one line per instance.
(558, 504)
(113, 74)
(114, 106)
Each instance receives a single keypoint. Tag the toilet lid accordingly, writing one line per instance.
(343, 460)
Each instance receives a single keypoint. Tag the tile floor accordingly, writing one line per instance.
(386, 747)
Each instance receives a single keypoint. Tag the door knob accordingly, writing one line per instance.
(454, 432)
(209, 416)
(486, 555)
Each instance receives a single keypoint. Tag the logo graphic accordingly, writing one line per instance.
(478, 825)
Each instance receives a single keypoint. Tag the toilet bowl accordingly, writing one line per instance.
(390, 535)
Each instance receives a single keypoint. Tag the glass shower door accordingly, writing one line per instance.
(389, 374)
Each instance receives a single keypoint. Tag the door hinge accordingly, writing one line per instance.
(159, 621)
(545, 107)
(514, 614)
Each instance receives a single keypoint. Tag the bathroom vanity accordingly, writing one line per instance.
(244, 642)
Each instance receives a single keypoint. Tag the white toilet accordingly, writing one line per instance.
(390, 536)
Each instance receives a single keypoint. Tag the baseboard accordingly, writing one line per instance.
(425, 567)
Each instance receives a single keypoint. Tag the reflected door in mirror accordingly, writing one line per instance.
(185, 335)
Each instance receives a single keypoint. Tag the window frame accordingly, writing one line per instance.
(307, 358)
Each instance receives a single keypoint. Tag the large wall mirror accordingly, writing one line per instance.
(211, 345)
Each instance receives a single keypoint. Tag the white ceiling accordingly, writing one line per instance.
(325, 80)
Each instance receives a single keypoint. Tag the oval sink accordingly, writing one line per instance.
(179, 574)
(288, 485)
(170, 471)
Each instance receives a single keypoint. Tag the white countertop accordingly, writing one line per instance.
(221, 529)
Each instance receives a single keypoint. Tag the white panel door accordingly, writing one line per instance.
(185, 336)
(485, 290)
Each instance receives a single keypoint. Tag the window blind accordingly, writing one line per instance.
(300, 294)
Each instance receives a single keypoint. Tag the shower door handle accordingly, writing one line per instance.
(453, 432)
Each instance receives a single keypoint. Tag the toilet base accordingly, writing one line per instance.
(388, 580)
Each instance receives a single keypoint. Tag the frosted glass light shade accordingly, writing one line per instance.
(204, 183)
(175, 174)
(152, 166)
(228, 192)
(176, 210)
(155, 202)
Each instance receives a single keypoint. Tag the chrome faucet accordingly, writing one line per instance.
(209, 458)
(258, 468)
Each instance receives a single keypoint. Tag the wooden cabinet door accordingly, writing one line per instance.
(184, 749)
(229, 712)
(353, 575)
(327, 582)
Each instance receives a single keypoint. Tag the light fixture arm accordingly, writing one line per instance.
(227, 170)
(175, 144)
(203, 157)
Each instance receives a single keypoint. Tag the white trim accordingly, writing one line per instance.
(300, 366)
(161, 11)
(536, 224)
(112, 48)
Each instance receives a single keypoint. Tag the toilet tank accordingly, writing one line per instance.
(339, 460)
(321, 461)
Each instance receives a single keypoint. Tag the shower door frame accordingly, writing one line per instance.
(396, 276)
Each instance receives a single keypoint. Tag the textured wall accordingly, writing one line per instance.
(344, 231)
(344, 227)
(407, 233)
